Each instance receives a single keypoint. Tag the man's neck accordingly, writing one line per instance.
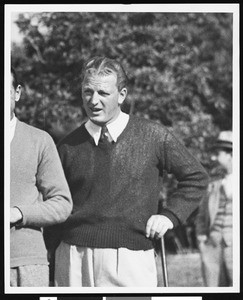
(115, 127)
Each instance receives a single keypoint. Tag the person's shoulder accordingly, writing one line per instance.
(74, 137)
(148, 124)
(33, 132)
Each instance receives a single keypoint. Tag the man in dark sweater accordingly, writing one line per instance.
(113, 164)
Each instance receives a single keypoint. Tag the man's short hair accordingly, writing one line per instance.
(100, 65)
(15, 79)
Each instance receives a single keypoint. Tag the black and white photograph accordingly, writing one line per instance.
(121, 150)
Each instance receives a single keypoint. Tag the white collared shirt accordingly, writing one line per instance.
(12, 127)
(228, 185)
(115, 128)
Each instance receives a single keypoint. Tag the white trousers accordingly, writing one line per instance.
(93, 267)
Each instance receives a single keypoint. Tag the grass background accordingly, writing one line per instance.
(184, 270)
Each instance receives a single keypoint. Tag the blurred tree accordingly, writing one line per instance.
(179, 66)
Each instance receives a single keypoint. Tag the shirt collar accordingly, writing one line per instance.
(115, 128)
(13, 122)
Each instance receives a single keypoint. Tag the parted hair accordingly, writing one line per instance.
(101, 65)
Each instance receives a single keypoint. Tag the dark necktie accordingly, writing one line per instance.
(104, 134)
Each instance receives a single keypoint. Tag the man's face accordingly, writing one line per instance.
(14, 96)
(101, 98)
(224, 158)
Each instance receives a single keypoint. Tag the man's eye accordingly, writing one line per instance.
(103, 93)
(87, 93)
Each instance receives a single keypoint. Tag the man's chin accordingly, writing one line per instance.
(96, 120)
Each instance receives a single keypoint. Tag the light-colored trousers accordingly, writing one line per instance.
(217, 263)
(93, 267)
(30, 276)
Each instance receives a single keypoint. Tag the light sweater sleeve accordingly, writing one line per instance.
(55, 203)
(191, 176)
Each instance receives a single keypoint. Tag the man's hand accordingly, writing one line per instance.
(15, 215)
(157, 226)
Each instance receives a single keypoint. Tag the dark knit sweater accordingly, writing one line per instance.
(115, 186)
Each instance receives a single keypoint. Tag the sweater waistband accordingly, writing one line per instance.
(106, 236)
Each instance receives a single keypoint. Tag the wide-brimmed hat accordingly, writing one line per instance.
(224, 141)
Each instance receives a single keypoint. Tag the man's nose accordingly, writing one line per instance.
(94, 99)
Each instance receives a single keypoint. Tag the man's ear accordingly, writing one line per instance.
(122, 95)
(18, 93)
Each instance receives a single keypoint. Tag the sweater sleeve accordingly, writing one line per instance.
(191, 176)
(55, 205)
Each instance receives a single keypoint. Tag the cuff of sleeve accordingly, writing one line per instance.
(171, 216)
(19, 222)
(25, 212)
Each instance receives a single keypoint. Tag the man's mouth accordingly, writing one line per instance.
(94, 109)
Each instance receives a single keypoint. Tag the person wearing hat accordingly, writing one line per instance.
(214, 220)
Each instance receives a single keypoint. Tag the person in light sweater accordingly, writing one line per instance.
(39, 196)
(215, 220)
(114, 164)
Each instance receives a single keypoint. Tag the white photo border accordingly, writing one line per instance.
(163, 8)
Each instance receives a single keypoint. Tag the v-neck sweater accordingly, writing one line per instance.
(115, 186)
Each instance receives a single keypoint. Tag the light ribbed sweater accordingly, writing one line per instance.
(39, 189)
(115, 186)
